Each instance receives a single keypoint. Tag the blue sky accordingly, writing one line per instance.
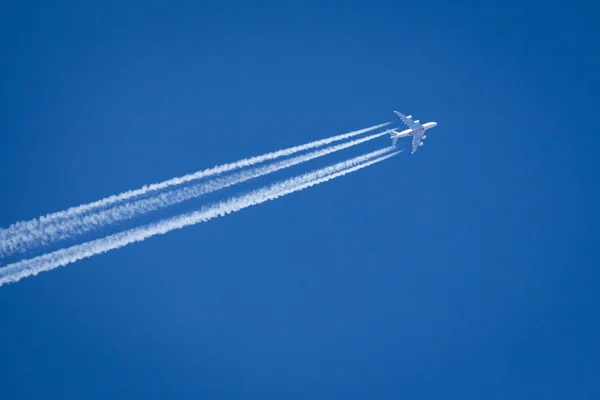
(468, 270)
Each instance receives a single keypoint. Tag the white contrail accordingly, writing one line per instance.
(19, 270)
(76, 211)
(66, 229)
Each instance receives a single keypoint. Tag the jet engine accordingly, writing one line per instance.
(421, 144)
(424, 137)
(417, 121)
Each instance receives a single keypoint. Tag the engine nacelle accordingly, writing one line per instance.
(424, 137)
(421, 144)
(417, 121)
(409, 117)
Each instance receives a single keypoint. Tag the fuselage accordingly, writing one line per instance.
(412, 132)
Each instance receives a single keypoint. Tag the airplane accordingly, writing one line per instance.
(415, 129)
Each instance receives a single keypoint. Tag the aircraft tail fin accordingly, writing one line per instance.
(394, 140)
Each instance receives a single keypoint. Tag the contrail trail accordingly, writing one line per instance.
(219, 169)
(66, 229)
(19, 270)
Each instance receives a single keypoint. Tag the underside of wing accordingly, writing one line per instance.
(415, 142)
(408, 121)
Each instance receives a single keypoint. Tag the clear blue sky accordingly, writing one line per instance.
(469, 270)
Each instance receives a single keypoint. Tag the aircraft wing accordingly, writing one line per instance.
(408, 121)
(415, 142)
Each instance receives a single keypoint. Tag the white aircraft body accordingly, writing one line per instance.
(415, 129)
